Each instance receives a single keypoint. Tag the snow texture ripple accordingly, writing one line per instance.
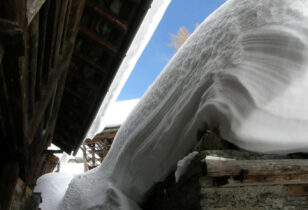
(243, 71)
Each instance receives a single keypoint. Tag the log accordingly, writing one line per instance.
(226, 167)
(242, 155)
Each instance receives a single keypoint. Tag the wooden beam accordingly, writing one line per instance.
(33, 57)
(97, 39)
(8, 183)
(12, 36)
(241, 155)
(89, 62)
(77, 8)
(85, 82)
(115, 20)
(225, 167)
(33, 9)
(49, 90)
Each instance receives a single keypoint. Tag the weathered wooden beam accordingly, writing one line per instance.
(77, 8)
(60, 28)
(33, 8)
(115, 20)
(64, 38)
(100, 138)
(56, 20)
(42, 53)
(85, 82)
(225, 167)
(97, 39)
(52, 151)
(49, 90)
(8, 183)
(241, 155)
(89, 62)
(12, 36)
(33, 57)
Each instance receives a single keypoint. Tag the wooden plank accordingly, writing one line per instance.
(66, 26)
(8, 183)
(12, 36)
(33, 57)
(115, 20)
(5, 117)
(77, 8)
(97, 39)
(100, 138)
(242, 155)
(89, 62)
(56, 22)
(59, 93)
(49, 90)
(60, 28)
(33, 8)
(43, 32)
(85, 82)
(224, 167)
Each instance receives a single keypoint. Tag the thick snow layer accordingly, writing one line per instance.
(243, 71)
(183, 164)
(52, 187)
(118, 113)
(144, 34)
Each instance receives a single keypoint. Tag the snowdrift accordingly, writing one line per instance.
(243, 71)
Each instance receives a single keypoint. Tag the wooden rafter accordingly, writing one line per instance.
(103, 43)
(115, 20)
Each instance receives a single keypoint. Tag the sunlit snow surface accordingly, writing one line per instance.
(244, 71)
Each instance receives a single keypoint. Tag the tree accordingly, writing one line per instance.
(178, 39)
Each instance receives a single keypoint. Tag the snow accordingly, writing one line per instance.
(143, 36)
(52, 187)
(119, 111)
(243, 71)
(183, 164)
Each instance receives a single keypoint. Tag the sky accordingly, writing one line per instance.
(157, 53)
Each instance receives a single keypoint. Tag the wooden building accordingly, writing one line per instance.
(57, 60)
(96, 149)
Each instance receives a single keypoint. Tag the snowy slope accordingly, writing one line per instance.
(244, 71)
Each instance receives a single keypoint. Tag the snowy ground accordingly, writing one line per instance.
(243, 71)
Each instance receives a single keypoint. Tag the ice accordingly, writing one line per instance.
(243, 71)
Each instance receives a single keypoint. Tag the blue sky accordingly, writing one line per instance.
(157, 53)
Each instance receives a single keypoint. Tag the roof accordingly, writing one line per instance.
(106, 30)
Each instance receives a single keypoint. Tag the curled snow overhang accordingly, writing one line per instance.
(243, 71)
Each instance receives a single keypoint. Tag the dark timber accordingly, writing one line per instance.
(57, 61)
